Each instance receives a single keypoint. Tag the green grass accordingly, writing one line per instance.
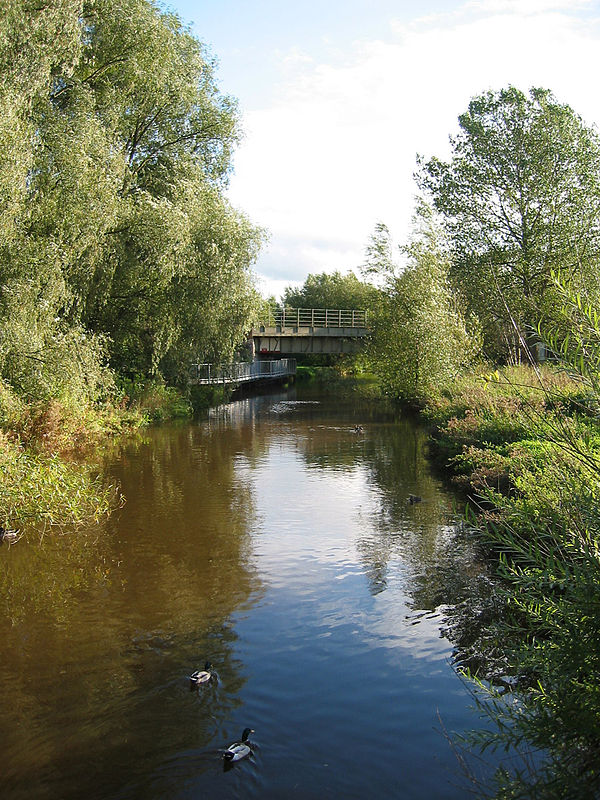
(42, 489)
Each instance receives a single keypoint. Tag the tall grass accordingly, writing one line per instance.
(44, 479)
(42, 489)
(525, 443)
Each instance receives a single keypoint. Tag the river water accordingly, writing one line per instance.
(272, 540)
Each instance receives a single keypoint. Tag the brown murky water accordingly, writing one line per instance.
(274, 541)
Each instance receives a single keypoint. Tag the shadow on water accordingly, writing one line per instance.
(103, 626)
(274, 540)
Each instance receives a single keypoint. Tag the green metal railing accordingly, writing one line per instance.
(314, 318)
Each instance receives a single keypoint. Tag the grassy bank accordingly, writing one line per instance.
(49, 451)
(47, 459)
(525, 448)
(494, 431)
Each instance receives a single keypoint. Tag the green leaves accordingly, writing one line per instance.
(420, 340)
(331, 290)
(519, 199)
(115, 148)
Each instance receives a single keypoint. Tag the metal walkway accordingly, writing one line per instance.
(243, 372)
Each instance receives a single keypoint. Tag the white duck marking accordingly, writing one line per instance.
(200, 676)
(239, 750)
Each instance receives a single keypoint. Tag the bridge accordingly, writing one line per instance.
(243, 371)
(287, 332)
(298, 331)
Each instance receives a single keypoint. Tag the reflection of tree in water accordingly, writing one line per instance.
(105, 624)
(447, 570)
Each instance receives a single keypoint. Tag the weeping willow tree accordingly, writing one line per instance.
(117, 244)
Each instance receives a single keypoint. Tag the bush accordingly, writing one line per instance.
(41, 489)
(537, 474)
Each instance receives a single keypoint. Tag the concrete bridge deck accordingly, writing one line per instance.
(287, 332)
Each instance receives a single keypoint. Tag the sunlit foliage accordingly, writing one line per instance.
(331, 290)
(420, 339)
(117, 241)
(120, 256)
(519, 199)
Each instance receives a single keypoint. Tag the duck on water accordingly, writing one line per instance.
(239, 750)
(8, 536)
(202, 676)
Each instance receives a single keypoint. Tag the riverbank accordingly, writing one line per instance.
(524, 447)
(49, 450)
(490, 429)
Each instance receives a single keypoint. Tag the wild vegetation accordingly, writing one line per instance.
(331, 290)
(510, 275)
(121, 262)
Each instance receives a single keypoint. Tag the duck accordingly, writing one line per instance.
(358, 429)
(414, 498)
(7, 535)
(201, 676)
(239, 750)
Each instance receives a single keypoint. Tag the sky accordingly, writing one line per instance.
(337, 98)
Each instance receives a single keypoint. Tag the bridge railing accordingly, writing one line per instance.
(315, 317)
(242, 371)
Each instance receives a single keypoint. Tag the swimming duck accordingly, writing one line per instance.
(414, 498)
(200, 676)
(358, 429)
(240, 749)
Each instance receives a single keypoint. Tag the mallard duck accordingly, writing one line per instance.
(414, 498)
(8, 535)
(240, 749)
(200, 676)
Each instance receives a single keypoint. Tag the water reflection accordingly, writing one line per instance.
(104, 625)
(273, 540)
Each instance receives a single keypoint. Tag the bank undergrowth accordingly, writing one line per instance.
(523, 444)
(50, 450)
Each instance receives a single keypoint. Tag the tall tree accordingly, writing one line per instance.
(115, 232)
(420, 339)
(520, 198)
(331, 290)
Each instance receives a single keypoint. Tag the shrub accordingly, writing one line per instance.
(41, 489)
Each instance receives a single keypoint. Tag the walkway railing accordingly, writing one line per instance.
(243, 371)
(315, 318)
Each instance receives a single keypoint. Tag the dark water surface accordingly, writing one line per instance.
(272, 540)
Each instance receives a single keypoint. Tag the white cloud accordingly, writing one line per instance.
(336, 153)
(521, 7)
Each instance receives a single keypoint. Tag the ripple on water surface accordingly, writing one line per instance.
(274, 541)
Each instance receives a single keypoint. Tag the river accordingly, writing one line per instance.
(271, 539)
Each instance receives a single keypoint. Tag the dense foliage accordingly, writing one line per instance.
(524, 443)
(519, 198)
(331, 290)
(420, 338)
(121, 260)
(117, 240)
